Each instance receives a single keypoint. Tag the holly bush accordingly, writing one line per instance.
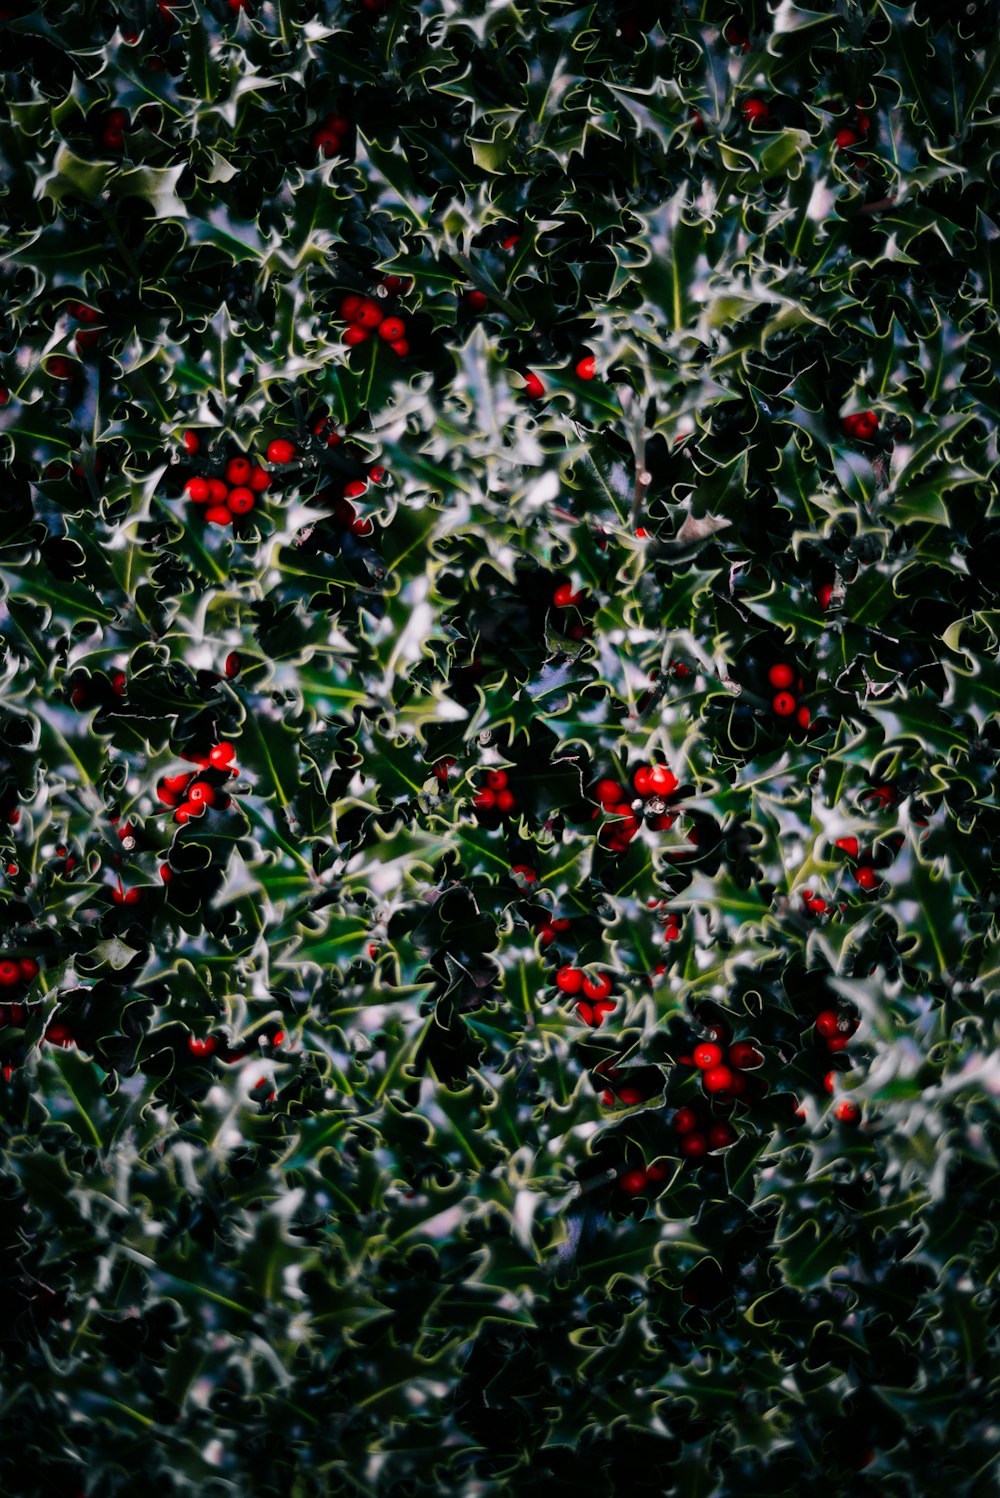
(500, 578)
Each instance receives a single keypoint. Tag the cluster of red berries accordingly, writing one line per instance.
(365, 316)
(329, 136)
(495, 795)
(836, 1027)
(89, 336)
(862, 426)
(846, 137)
(597, 1001)
(865, 873)
(635, 1181)
(784, 704)
(549, 928)
(14, 971)
(651, 782)
(722, 1070)
(113, 128)
(699, 1135)
(198, 794)
(230, 498)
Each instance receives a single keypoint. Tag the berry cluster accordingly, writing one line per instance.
(699, 1135)
(330, 135)
(597, 1001)
(549, 928)
(495, 795)
(234, 496)
(190, 795)
(722, 1068)
(861, 425)
(635, 1181)
(365, 316)
(784, 704)
(568, 597)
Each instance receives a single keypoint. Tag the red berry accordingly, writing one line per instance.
(783, 704)
(368, 313)
(477, 300)
(197, 491)
(754, 110)
(219, 515)
(166, 873)
(845, 138)
(58, 1034)
(221, 756)
(569, 979)
(496, 779)
(525, 872)
(201, 1047)
(836, 1043)
(510, 241)
(643, 782)
(328, 141)
(280, 451)
(10, 973)
(560, 923)
(630, 1096)
(177, 784)
(505, 801)
(355, 335)
(241, 501)
(847, 1112)
(192, 442)
(685, 1120)
(29, 969)
(484, 800)
(707, 1055)
(401, 347)
(59, 368)
(828, 1022)
(201, 794)
(632, 1182)
(720, 1135)
(377, 474)
(238, 470)
(233, 665)
(349, 306)
(599, 988)
(662, 782)
(585, 1013)
(781, 675)
(533, 386)
(586, 367)
(744, 1056)
(830, 1081)
(392, 329)
(609, 793)
(802, 718)
(824, 592)
(848, 845)
(866, 877)
(694, 1145)
(218, 491)
(719, 1079)
(565, 596)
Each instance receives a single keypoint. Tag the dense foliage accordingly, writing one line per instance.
(500, 578)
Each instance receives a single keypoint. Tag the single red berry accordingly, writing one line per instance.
(368, 314)
(166, 873)
(546, 935)
(29, 969)
(57, 1033)
(238, 470)
(496, 779)
(720, 1135)
(744, 1056)
(221, 756)
(783, 704)
(132, 896)
(233, 665)
(505, 801)
(355, 488)
(525, 872)
(377, 474)
(609, 793)
(754, 110)
(836, 1043)
(720, 1079)
(847, 1112)
(643, 781)
(59, 368)
(199, 1047)
(781, 675)
(484, 800)
(569, 979)
(477, 300)
(192, 442)
(197, 491)
(662, 782)
(565, 596)
(241, 501)
(201, 794)
(848, 845)
(707, 1055)
(693, 1145)
(328, 141)
(824, 592)
(587, 367)
(803, 718)
(632, 1182)
(685, 1120)
(585, 1013)
(280, 451)
(845, 138)
(219, 515)
(355, 335)
(218, 491)
(599, 988)
(510, 241)
(392, 329)
(828, 1022)
(349, 305)
(10, 973)
(533, 386)
(866, 876)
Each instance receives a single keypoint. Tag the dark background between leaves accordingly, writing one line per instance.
(388, 1254)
